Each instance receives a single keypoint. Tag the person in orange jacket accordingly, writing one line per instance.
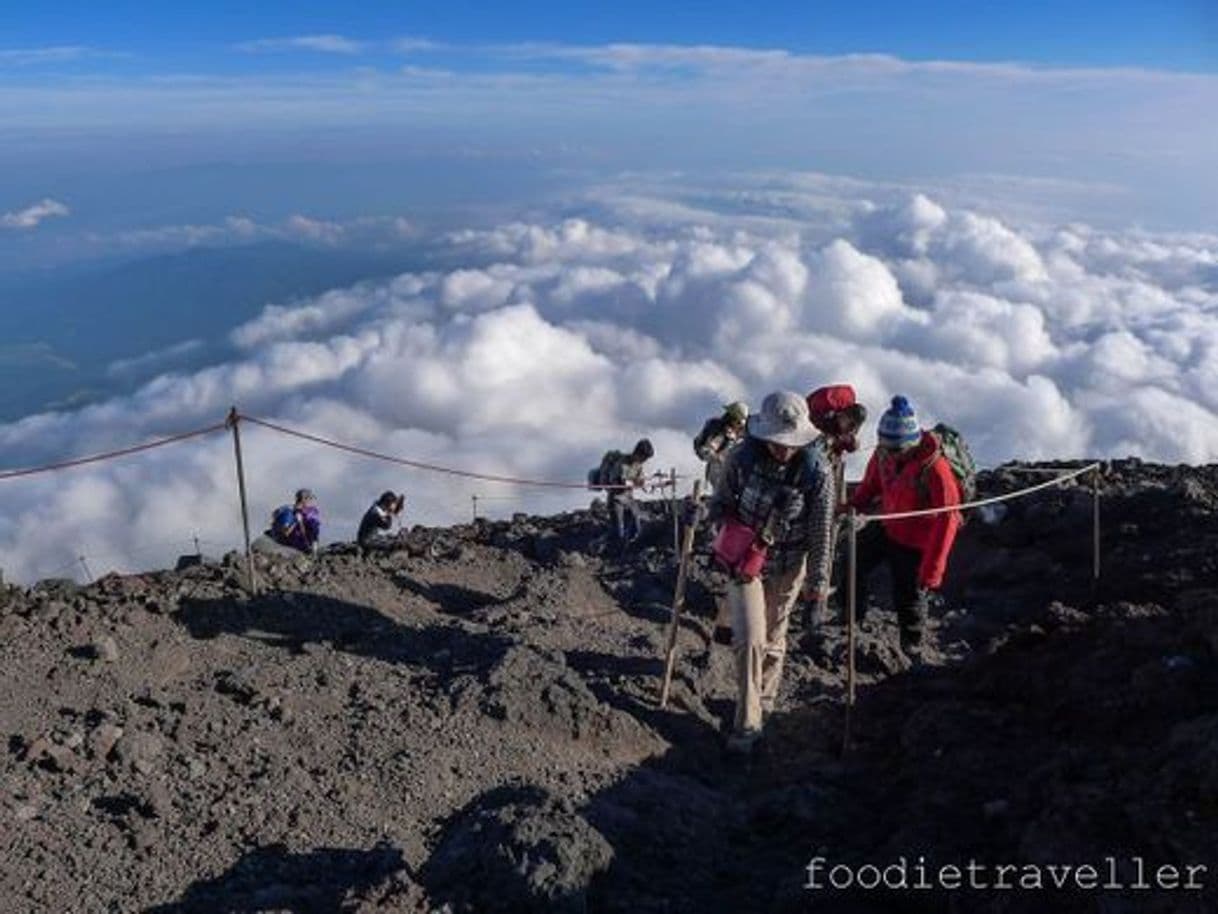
(907, 472)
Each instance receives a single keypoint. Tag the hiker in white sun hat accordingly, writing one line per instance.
(775, 516)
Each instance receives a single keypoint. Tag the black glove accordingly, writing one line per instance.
(788, 503)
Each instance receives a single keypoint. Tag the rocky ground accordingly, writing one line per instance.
(469, 724)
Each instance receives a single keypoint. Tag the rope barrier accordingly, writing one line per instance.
(980, 503)
(111, 455)
(420, 465)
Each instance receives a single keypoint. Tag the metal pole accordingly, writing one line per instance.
(85, 566)
(1095, 517)
(234, 421)
(851, 615)
(475, 500)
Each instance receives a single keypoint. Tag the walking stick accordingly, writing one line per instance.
(851, 612)
(678, 601)
(839, 498)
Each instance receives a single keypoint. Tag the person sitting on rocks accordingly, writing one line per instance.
(907, 472)
(774, 514)
(377, 519)
(297, 526)
(718, 436)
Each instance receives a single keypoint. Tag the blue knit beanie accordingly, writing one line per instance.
(899, 426)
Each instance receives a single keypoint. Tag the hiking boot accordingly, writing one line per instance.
(911, 639)
(742, 742)
(912, 647)
(816, 646)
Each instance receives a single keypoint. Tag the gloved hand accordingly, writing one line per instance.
(846, 444)
(788, 503)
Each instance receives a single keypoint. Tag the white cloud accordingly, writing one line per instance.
(323, 44)
(374, 232)
(33, 215)
(151, 361)
(411, 44)
(24, 57)
(545, 342)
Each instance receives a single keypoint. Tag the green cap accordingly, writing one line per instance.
(736, 412)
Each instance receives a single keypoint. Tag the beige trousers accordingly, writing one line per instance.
(761, 612)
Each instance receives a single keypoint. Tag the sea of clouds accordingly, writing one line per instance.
(639, 309)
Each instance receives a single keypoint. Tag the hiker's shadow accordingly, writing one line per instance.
(631, 685)
(273, 879)
(453, 599)
(295, 621)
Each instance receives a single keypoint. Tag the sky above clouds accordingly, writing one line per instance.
(144, 98)
(594, 222)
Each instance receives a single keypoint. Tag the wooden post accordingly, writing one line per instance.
(1095, 518)
(676, 517)
(678, 601)
(851, 615)
(234, 421)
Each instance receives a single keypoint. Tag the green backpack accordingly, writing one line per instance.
(954, 448)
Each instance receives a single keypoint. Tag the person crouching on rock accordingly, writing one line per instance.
(297, 526)
(377, 519)
(907, 472)
(775, 515)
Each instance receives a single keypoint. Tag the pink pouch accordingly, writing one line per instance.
(738, 550)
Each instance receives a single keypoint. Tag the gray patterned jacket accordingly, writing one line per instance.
(790, 504)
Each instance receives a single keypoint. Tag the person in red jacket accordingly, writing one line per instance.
(907, 472)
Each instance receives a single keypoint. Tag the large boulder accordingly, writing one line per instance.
(516, 850)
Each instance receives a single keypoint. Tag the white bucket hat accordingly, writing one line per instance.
(783, 420)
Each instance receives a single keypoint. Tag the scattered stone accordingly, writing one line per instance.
(140, 750)
(105, 649)
(103, 739)
(26, 812)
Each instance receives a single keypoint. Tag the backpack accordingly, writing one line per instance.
(283, 519)
(609, 473)
(955, 450)
(712, 428)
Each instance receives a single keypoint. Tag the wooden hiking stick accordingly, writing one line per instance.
(839, 498)
(678, 601)
(851, 616)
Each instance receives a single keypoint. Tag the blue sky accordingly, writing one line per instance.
(136, 116)
(1161, 34)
